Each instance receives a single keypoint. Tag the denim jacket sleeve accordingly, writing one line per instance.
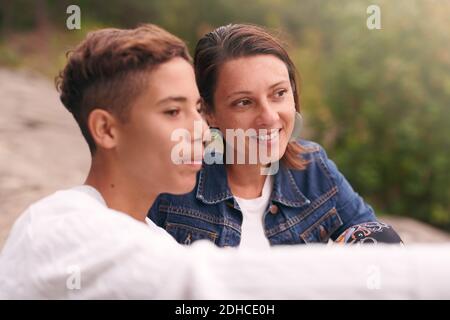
(350, 206)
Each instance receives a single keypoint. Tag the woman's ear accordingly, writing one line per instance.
(103, 128)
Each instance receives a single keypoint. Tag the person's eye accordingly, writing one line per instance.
(280, 93)
(242, 103)
(172, 112)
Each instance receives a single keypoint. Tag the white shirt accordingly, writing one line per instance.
(252, 229)
(71, 246)
(96, 195)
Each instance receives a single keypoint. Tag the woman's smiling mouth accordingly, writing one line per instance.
(265, 136)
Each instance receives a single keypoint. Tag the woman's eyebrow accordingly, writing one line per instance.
(278, 83)
(249, 92)
(238, 92)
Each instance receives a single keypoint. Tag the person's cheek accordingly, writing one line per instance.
(290, 120)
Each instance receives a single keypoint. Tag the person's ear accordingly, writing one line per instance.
(103, 128)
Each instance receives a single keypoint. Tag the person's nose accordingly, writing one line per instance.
(200, 134)
(267, 116)
(200, 128)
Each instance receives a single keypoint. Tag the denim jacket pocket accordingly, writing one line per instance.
(323, 228)
(185, 234)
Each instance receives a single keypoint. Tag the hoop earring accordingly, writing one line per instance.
(216, 143)
(298, 126)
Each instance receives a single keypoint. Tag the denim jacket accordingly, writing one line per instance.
(306, 206)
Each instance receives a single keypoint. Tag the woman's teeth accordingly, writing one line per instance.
(267, 137)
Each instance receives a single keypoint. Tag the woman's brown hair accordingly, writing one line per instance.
(234, 41)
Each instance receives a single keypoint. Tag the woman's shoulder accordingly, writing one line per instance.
(311, 150)
(318, 178)
(318, 163)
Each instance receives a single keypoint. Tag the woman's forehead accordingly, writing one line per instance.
(251, 71)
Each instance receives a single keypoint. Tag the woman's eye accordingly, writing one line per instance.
(242, 103)
(280, 93)
(172, 113)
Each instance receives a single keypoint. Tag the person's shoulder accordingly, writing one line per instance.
(318, 163)
(310, 145)
(50, 207)
(67, 218)
(73, 215)
(61, 211)
(73, 228)
(311, 150)
(67, 199)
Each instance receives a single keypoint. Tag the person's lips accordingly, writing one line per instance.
(267, 136)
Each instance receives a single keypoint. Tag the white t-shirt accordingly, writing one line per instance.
(252, 229)
(71, 246)
(71, 233)
(96, 195)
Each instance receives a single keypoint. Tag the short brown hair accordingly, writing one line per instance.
(234, 41)
(108, 70)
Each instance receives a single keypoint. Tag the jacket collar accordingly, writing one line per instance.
(212, 186)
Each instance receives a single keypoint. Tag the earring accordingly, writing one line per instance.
(298, 126)
(216, 142)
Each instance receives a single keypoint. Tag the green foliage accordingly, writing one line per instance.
(378, 100)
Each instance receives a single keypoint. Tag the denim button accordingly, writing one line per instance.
(273, 209)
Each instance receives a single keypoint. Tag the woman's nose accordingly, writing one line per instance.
(268, 115)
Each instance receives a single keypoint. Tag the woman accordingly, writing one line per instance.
(248, 83)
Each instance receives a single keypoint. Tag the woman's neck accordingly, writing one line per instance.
(245, 181)
(119, 192)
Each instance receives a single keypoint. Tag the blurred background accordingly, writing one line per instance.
(377, 100)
